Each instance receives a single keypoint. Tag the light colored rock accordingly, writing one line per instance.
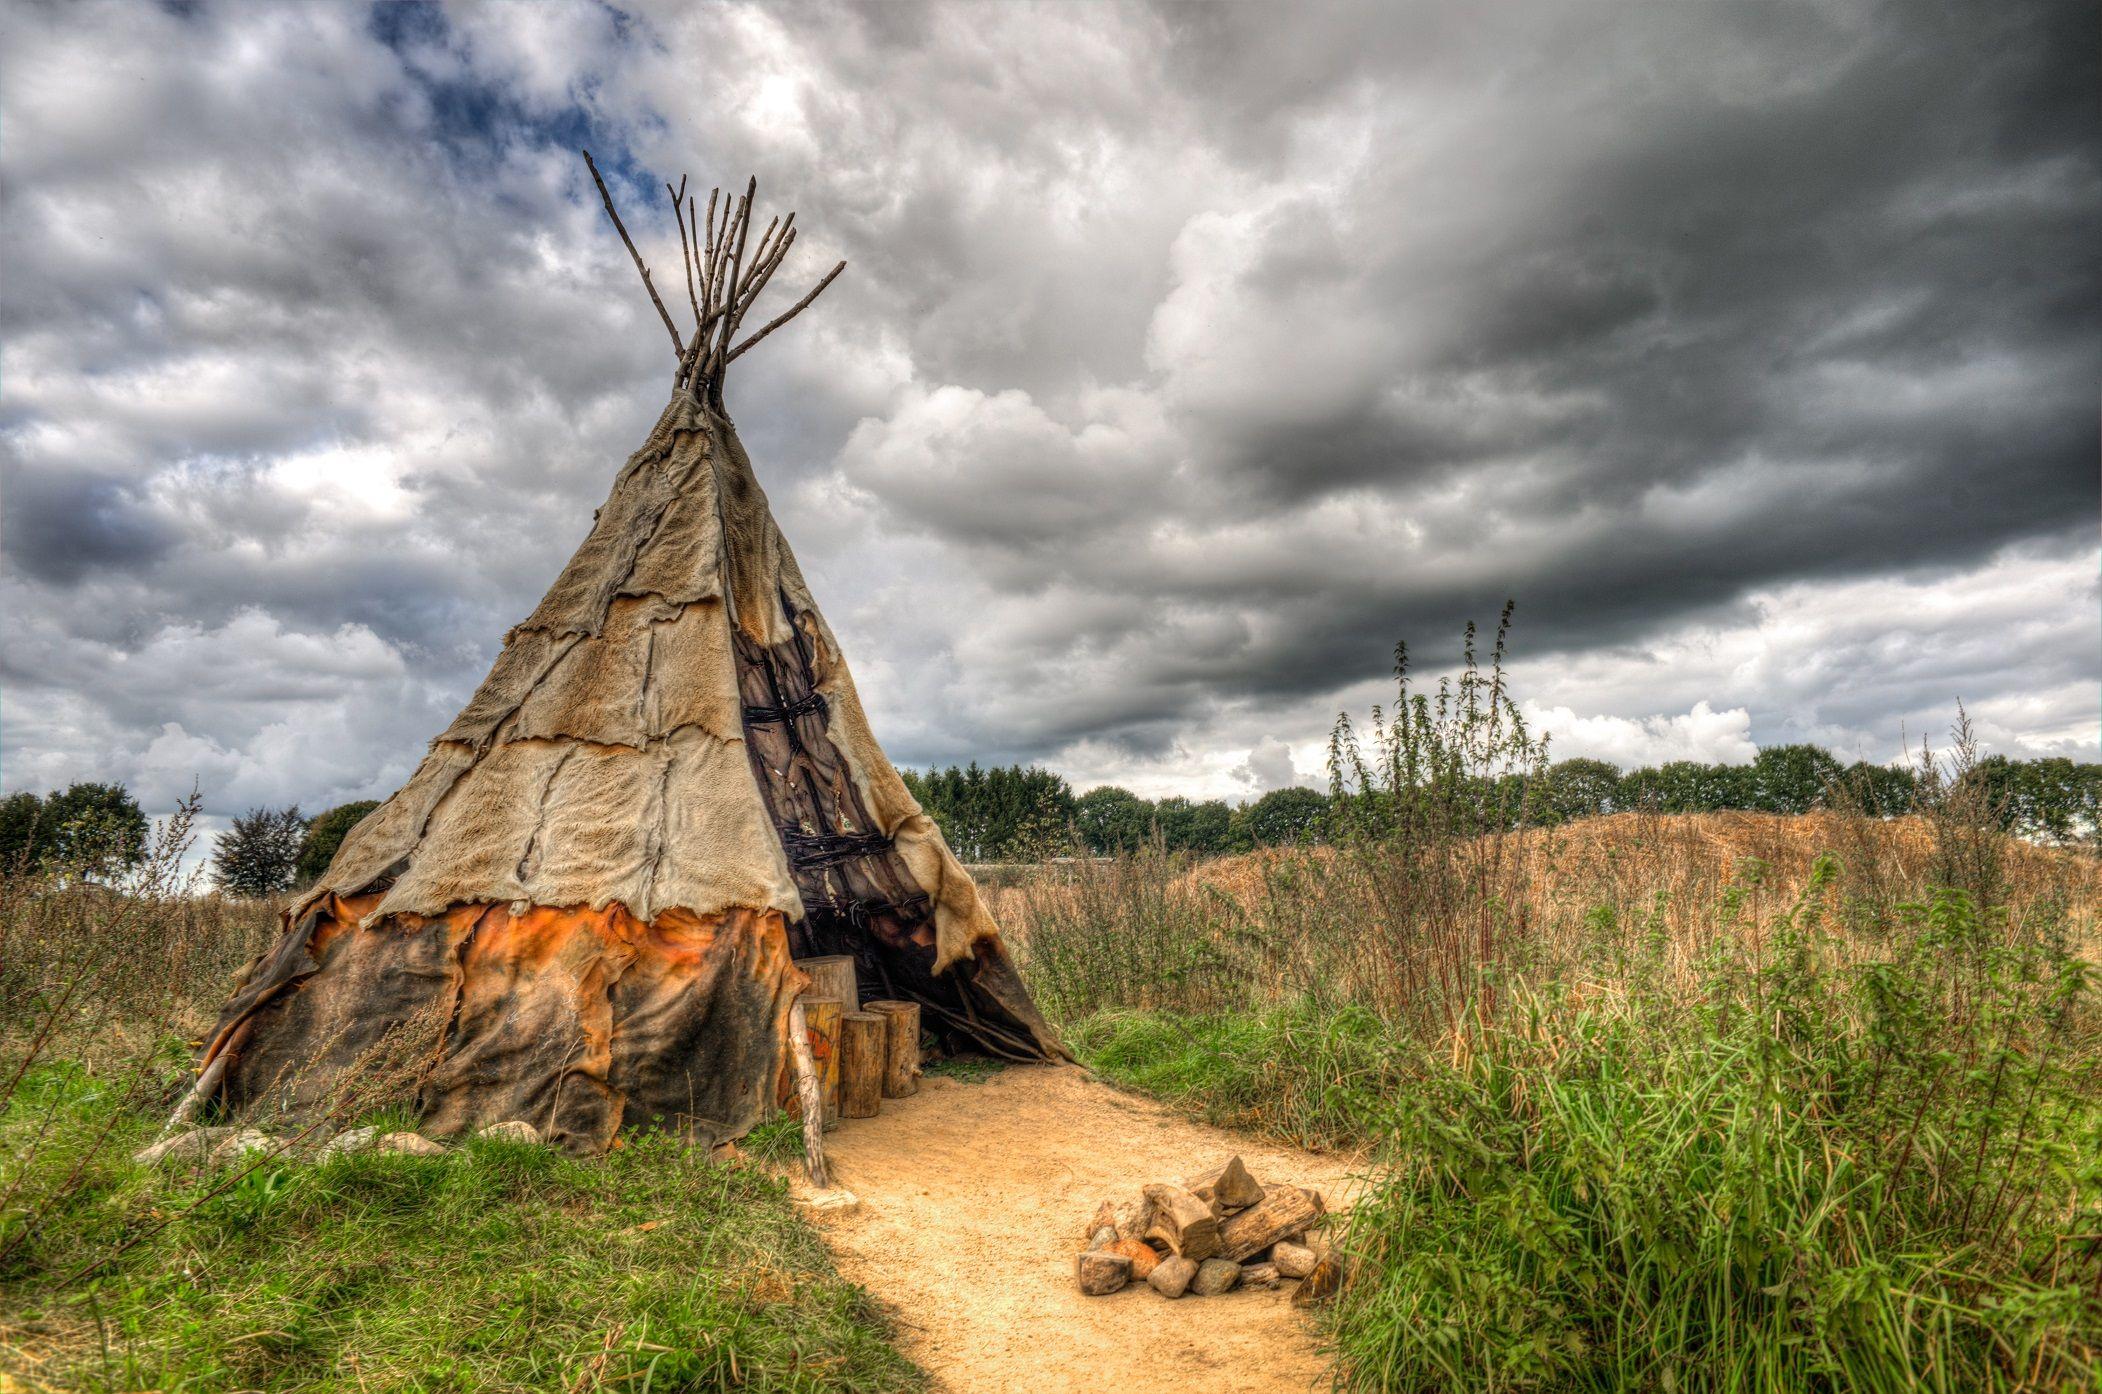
(192, 1145)
(1292, 1260)
(1171, 1276)
(353, 1140)
(1102, 1271)
(837, 1201)
(513, 1130)
(1214, 1276)
(1102, 1238)
(413, 1144)
(1259, 1275)
(234, 1148)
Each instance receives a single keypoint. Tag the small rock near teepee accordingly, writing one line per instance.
(1171, 1276)
(1214, 1276)
(513, 1130)
(193, 1145)
(1102, 1271)
(1144, 1257)
(1102, 1238)
(1292, 1260)
(1259, 1275)
(234, 1148)
(413, 1144)
(353, 1140)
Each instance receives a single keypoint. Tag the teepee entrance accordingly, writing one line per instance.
(596, 884)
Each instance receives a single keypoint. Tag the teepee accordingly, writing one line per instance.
(666, 791)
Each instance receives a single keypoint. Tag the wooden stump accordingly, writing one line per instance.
(901, 1047)
(832, 975)
(861, 1059)
(821, 1017)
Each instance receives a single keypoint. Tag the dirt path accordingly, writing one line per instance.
(972, 1198)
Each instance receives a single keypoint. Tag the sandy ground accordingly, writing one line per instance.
(973, 1198)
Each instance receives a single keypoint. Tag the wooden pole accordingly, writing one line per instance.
(861, 1060)
(821, 1015)
(811, 1095)
(901, 1047)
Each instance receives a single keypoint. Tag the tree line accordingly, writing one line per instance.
(1027, 813)
(1024, 813)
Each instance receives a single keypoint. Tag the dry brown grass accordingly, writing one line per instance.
(1406, 931)
(1674, 853)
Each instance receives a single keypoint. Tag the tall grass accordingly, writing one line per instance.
(1736, 1102)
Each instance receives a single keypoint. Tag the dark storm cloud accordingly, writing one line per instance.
(1188, 356)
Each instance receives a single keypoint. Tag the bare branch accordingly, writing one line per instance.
(744, 228)
(686, 252)
(708, 262)
(758, 279)
(793, 311)
(678, 341)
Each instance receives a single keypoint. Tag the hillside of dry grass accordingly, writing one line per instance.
(1710, 1102)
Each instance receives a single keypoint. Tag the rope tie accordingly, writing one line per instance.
(815, 851)
(809, 703)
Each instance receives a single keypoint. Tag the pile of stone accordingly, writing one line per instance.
(1209, 1235)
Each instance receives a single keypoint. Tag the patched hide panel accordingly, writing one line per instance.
(578, 1021)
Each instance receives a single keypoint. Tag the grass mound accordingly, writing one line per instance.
(497, 1266)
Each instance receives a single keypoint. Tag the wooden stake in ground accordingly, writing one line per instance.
(811, 1095)
(822, 1015)
(901, 1047)
(861, 1046)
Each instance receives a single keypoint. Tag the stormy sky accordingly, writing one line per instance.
(1188, 356)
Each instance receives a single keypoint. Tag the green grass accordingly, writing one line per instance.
(1320, 1079)
(497, 1266)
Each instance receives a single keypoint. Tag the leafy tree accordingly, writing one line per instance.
(1792, 778)
(24, 833)
(1572, 789)
(258, 855)
(1283, 818)
(1881, 791)
(324, 835)
(1008, 812)
(94, 829)
(1109, 819)
(1687, 786)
